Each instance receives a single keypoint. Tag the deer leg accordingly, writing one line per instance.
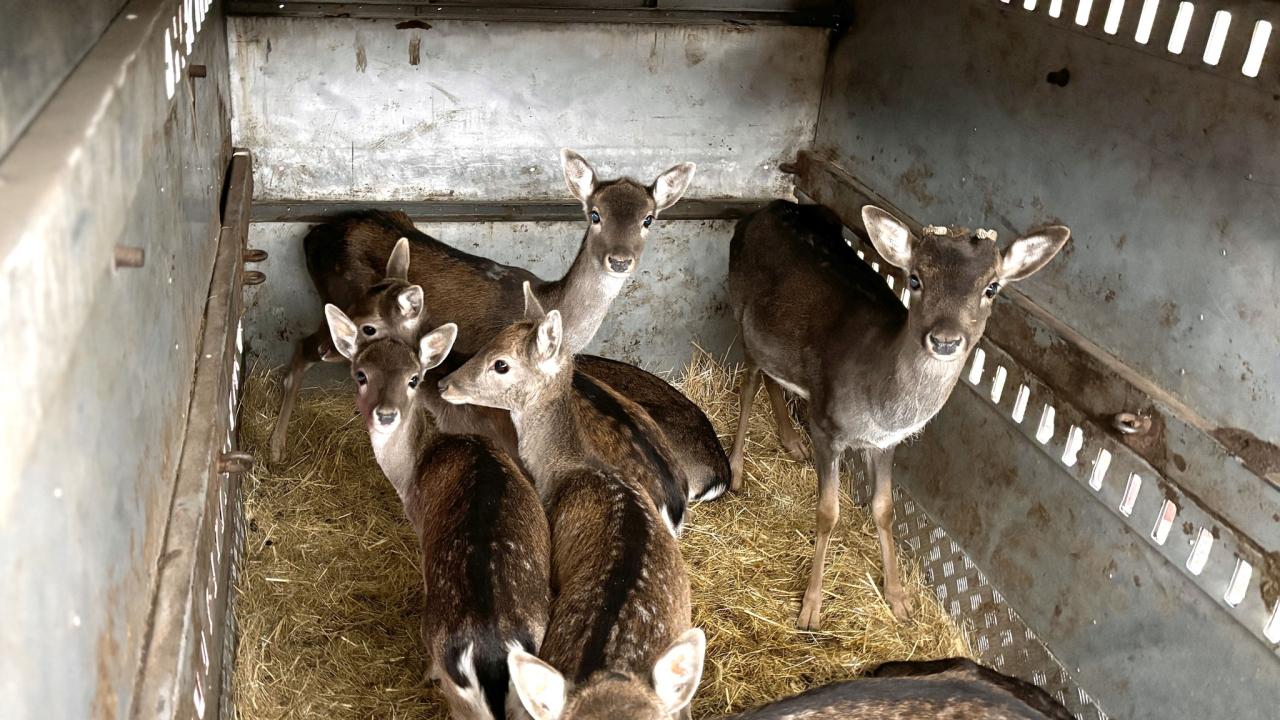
(308, 352)
(746, 394)
(828, 466)
(880, 464)
(787, 435)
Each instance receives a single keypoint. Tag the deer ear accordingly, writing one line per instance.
(892, 238)
(532, 308)
(550, 336)
(677, 673)
(434, 347)
(342, 330)
(670, 185)
(409, 302)
(398, 263)
(578, 174)
(540, 687)
(1032, 251)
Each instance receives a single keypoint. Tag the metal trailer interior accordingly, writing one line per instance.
(1097, 502)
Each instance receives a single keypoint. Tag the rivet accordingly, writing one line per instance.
(127, 256)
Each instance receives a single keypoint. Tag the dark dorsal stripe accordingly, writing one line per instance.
(630, 528)
(606, 404)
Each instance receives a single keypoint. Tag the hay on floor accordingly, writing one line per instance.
(330, 591)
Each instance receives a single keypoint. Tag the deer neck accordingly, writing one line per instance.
(583, 297)
(550, 433)
(399, 452)
(920, 377)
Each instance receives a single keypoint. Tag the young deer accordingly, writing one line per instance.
(481, 527)
(345, 257)
(954, 689)
(821, 323)
(619, 643)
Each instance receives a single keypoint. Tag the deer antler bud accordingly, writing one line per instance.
(935, 230)
(987, 235)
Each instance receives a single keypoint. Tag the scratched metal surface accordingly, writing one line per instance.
(358, 109)
(1167, 175)
(39, 49)
(677, 297)
(99, 361)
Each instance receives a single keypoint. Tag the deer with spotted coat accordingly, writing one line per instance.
(480, 524)
(619, 642)
(346, 257)
(818, 321)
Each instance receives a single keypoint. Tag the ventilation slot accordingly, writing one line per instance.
(1082, 12)
(889, 279)
(862, 255)
(1146, 20)
(1112, 23)
(1239, 584)
(1028, 4)
(997, 384)
(1020, 403)
(1055, 8)
(875, 266)
(1271, 631)
(1217, 37)
(1164, 522)
(1131, 490)
(1200, 552)
(975, 370)
(1044, 432)
(906, 297)
(1100, 465)
(1257, 49)
(1075, 441)
(1181, 24)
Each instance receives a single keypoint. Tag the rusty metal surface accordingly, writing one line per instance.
(683, 12)
(1166, 176)
(39, 47)
(182, 669)
(363, 110)
(676, 297)
(99, 361)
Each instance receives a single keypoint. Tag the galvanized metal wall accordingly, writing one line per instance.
(375, 110)
(1166, 170)
(39, 46)
(129, 152)
(676, 297)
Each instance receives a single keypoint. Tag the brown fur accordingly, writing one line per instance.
(621, 593)
(816, 319)
(480, 524)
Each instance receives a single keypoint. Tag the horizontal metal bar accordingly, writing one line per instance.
(637, 14)
(464, 211)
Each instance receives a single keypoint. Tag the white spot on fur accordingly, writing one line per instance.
(711, 493)
(666, 520)
(790, 386)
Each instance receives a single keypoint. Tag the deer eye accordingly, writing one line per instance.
(991, 290)
(501, 367)
(361, 378)
(595, 218)
(648, 220)
(369, 330)
(413, 382)
(913, 282)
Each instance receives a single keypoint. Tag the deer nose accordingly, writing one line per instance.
(386, 417)
(618, 264)
(945, 346)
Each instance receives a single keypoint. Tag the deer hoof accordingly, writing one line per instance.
(797, 450)
(901, 607)
(810, 615)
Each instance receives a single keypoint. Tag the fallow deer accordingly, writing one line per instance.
(951, 689)
(480, 524)
(619, 643)
(819, 322)
(346, 256)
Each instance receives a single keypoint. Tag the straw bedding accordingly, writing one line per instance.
(330, 591)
